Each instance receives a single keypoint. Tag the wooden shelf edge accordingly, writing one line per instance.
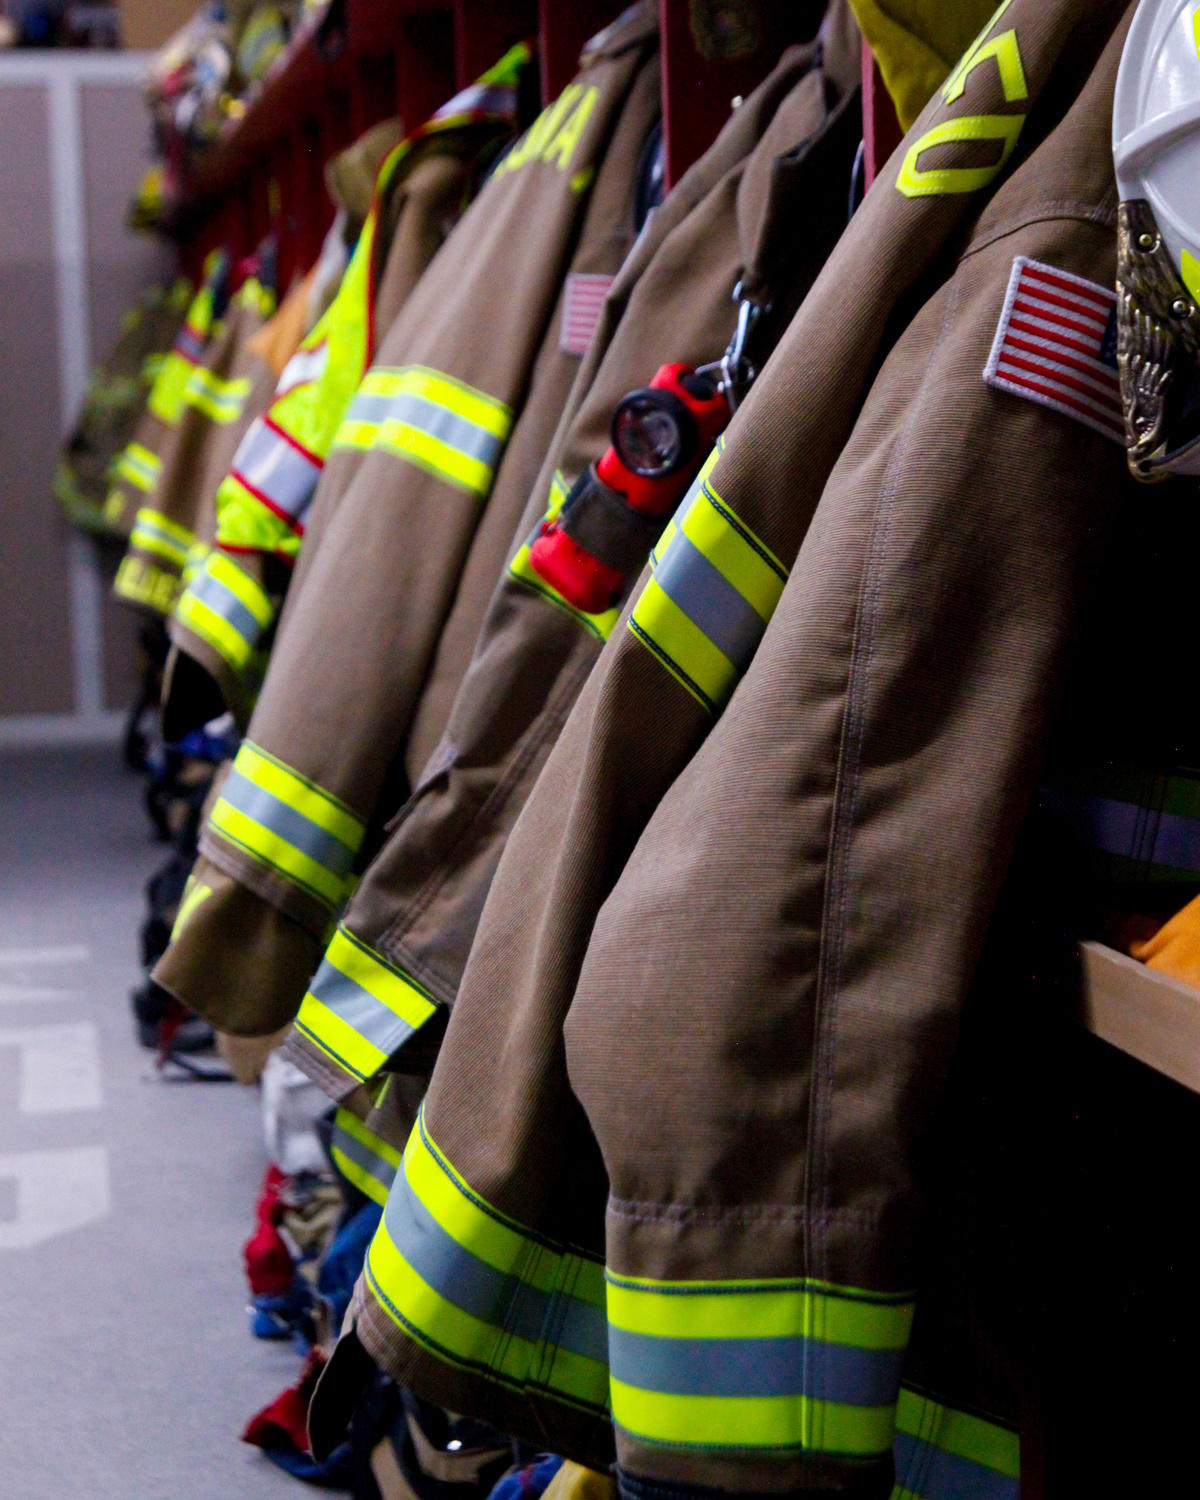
(1145, 1014)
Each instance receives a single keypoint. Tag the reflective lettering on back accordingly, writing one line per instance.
(915, 181)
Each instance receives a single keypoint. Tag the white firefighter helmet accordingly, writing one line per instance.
(1156, 126)
(1156, 152)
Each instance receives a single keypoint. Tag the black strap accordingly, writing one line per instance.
(606, 526)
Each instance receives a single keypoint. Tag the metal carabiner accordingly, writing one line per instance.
(734, 372)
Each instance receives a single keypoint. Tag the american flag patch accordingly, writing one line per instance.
(582, 306)
(1057, 345)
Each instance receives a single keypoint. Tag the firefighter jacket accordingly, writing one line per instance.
(441, 453)
(135, 473)
(783, 161)
(225, 620)
(163, 548)
(719, 974)
(116, 399)
(190, 391)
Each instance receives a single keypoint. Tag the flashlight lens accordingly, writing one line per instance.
(646, 436)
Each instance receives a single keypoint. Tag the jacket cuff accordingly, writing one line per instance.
(235, 959)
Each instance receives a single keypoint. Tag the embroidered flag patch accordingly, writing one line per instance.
(582, 305)
(1057, 345)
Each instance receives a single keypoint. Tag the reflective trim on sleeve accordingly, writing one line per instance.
(778, 1366)
(276, 470)
(222, 401)
(522, 571)
(139, 581)
(195, 894)
(225, 607)
(714, 588)
(1134, 822)
(438, 423)
(360, 1008)
(170, 384)
(288, 823)
(944, 1454)
(139, 467)
(363, 1157)
(154, 533)
(482, 1293)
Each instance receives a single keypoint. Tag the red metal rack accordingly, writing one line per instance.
(407, 56)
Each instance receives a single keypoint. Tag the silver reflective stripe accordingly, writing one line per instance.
(189, 344)
(374, 1165)
(709, 600)
(495, 1297)
(1128, 829)
(927, 1472)
(495, 99)
(359, 1009)
(303, 834)
(270, 464)
(222, 601)
(755, 1367)
(428, 417)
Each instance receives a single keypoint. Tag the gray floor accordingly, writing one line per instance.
(126, 1367)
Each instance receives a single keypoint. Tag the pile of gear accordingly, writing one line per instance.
(629, 696)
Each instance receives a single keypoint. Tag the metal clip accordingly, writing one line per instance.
(734, 371)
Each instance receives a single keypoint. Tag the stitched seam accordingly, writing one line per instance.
(1103, 214)
(687, 1213)
(845, 800)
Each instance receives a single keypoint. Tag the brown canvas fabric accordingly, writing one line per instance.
(379, 571)
(720, 970)
(775, 181)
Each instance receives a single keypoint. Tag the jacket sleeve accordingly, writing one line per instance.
(780, 969)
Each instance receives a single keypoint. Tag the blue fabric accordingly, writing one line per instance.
(529, 1483)
(284, 1317)
(342, 1263)
(337, 1472)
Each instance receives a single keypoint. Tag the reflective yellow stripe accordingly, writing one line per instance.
(139, 467)
(153, 533)
(219, 400)
(442, 425)
(195, 893)
(474, 406)
(782, 1424)
(714, 588)
(776, 1365)
(340, 1041)
(242, 587)
(959, 1433)
(479, 1292)
(348, 1121)
(436, 457)
(313, 802)
(759, 1309)
(684, 649)
(243, 521)
(289, 823)
(182, 534)
(365, 1158)
(271, 849)
(219, 634)
(138, 581)
(758, 581)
